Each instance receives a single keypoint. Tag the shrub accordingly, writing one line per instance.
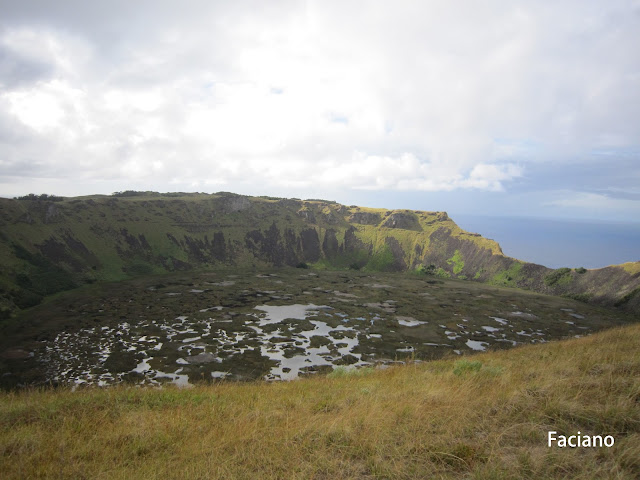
(43, 197)
(302, 265)
(442, 273)
(426, 270)
(581, 270)
(125, 193)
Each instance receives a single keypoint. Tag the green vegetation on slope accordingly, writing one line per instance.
(381, 261)
(74, 241)
(457, 262)
(509, 277)
(486, 418)
(561, 276)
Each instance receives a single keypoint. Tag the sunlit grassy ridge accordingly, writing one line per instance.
(632, 268)
(485, 416)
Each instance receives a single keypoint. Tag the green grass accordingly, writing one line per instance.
(560, 276)
(507, 278)
(457, 262)
(442, 419)
(463, 367)
(381, 261)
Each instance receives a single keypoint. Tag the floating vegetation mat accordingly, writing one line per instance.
(274, 325)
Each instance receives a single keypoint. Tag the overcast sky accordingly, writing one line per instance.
(496, 107)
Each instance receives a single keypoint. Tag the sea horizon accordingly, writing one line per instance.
(556, 242)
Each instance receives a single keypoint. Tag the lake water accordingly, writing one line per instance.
(559, 243)
(278, 325)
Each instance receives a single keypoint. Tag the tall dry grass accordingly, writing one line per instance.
(483, 417)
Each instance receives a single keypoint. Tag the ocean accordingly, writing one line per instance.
(559, 243)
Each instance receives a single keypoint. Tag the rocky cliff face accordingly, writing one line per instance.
(48, 246)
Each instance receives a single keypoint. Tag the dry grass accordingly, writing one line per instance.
(444, 419)
(631, 267)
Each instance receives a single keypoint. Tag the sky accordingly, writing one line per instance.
(505, 108)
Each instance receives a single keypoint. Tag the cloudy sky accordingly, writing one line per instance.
(496, 107)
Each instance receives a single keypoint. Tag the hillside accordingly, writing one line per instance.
(487, 417)
(50, 244)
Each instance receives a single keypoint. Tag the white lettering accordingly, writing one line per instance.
(579, 440)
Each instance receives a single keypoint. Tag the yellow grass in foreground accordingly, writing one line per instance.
(446, 419)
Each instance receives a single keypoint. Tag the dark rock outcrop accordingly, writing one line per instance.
(365, 218)
(403, 220)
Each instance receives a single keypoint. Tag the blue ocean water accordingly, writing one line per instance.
(559, 243)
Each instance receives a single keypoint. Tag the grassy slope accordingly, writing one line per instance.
(445, 419)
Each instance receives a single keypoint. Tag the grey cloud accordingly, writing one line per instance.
(17, 70)
(615, 176)
(622, 195)
(120, 25)
(332, 78)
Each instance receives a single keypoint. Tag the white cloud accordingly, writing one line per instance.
(428, 96)
(594, 202)
(490, 177)
(39, 110)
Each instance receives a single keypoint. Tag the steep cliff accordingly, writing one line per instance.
(50, 244)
